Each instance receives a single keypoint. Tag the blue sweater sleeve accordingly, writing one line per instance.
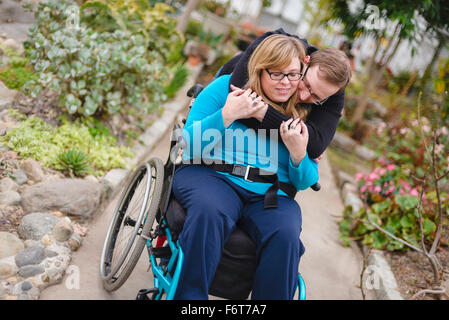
(305, 174)
(206, 114)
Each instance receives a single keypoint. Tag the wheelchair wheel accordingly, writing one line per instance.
(132, 223)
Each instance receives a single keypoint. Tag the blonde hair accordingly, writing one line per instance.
(276, 52)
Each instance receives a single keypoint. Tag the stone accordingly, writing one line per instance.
(30, 243)
(50, 253)
(19, 176)
(113, 179)
(7, 96)
(83, 199)
(57, 214)
(10, 198)
(14, 45)
(386, 286)
(47, 240)
(7, 184)
(26, 285)
(9, 244)
(344, 178)
(8, 268)
(31, 255)
(364, 153)
(35, 225)
(354, 201)
(3, 291)
(30, 271)
(62, 230)
(75, 241)
(343, 142)
(33, 170)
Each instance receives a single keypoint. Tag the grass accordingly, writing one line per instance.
(347, 162)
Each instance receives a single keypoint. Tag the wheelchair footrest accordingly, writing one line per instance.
(143, 294)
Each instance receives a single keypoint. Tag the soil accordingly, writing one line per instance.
(413, 272)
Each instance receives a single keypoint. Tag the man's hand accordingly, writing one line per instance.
(241, 104)
(317, 160)
(295, 136)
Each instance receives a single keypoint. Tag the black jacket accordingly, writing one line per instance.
(322, 120)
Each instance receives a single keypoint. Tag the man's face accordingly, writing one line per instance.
(313, 89)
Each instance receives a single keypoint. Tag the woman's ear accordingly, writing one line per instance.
(307, 59)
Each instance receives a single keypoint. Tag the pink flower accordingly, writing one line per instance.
(358, 176)
(406, 185)
(401, 191)
(382, 171)
(391, 166)
(414, 192)
(439, 148)
(373, 176)
(363, 189)
(377, 189)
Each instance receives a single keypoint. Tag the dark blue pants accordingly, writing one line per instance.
(214, 204)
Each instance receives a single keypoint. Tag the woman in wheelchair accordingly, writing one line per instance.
(231, 175)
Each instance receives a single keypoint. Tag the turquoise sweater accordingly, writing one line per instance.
(207, 137)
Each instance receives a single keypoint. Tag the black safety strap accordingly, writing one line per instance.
(254, 174)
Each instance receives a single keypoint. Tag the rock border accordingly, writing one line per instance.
(384, 282)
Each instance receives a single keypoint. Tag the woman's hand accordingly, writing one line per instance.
(241, 104)
(260, 113)
(295, 136)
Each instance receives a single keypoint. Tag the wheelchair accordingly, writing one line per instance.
(148, 215)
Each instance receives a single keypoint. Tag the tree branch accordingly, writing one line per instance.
(437, 290)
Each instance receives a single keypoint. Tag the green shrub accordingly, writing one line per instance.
(96, 71)
(178, 80)
(34, 138)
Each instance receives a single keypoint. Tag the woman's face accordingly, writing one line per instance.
(281, 90)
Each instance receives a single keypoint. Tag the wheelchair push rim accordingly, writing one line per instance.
(131, 224)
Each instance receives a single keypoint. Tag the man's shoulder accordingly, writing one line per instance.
(309, 48)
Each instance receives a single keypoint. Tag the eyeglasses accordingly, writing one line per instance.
(314, 96)
(278, 76)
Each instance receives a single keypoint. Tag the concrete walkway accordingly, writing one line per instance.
(330, 270)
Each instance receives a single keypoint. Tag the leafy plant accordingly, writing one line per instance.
(137, 17)
(16, 77)
(17, 71)
(34, 138)
(179, 78)
(408, 153)
(73, 162)
(100, 71)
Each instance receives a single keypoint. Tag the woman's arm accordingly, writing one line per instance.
(304, 175)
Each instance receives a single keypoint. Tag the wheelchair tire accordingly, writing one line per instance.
(132, 223)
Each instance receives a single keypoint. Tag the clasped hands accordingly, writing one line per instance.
(242, 104)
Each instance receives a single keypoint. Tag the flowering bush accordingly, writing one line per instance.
(409, 159)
